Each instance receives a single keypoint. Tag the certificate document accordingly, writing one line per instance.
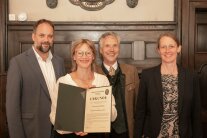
(87, 110)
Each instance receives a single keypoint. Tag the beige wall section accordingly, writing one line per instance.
(146, 10)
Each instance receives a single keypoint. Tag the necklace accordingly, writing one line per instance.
(84, 83)
(172, 70)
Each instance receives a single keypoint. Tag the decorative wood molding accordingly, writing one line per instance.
(132, 3)
(89, 26)
(3, 124)
(91, 5)
(3, 15)
(52, 3)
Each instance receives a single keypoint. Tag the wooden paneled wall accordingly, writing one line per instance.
(138, 45)
(138, 40)
(3, 124)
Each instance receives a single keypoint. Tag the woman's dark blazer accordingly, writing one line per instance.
(149, 108)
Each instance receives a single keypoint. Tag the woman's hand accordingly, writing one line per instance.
(81, 133)
(92, 86)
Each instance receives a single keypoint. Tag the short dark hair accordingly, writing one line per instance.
(40, 22)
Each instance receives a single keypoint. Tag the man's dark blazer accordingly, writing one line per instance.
(28, 101)
(149, 109)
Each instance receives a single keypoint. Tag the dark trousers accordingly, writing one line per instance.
(73, 135)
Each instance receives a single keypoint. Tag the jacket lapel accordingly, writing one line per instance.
(125, 71)
(55, 66)
(37, 70)
(181, 87)
(158, 85)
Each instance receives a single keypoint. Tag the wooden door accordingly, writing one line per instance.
(197, 35)
(198, 48)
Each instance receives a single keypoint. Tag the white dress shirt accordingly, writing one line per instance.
(115, 66)
(47, 71)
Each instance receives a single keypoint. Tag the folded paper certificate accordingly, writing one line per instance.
(86, 110)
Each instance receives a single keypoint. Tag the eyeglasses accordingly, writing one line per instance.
(86, 53)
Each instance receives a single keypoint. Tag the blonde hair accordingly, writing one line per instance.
(79, 43)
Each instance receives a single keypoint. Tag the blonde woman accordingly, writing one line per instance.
(83, 61)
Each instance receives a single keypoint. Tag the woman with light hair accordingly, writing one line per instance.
(83, 55)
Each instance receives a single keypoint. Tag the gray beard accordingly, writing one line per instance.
(42, 49)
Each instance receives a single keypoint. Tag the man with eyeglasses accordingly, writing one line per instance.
(124, 81)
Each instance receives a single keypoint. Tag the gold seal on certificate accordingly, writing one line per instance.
(87, 110)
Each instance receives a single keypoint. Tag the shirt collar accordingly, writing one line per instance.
(115, 66)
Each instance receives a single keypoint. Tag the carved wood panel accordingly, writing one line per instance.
(3, 124)
(136, 39)
(194, 37)
(197, 35)
(3, 13)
